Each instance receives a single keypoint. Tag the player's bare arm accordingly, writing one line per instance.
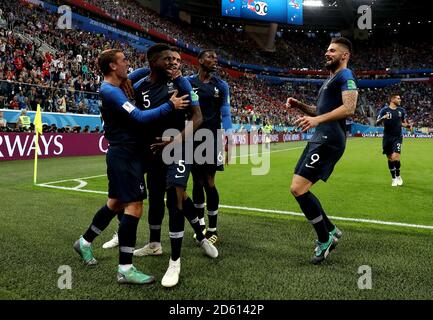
(407, 125)
(307, 109)
(348, 108)
(193, 124)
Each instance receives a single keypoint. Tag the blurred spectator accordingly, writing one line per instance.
(14, 104)
(82, 108)
(3, 122)
(23, 121)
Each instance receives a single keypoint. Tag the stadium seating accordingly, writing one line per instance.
(40, 65)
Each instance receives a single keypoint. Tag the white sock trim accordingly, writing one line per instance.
(86, 243)
(212, 213)
(125, 267)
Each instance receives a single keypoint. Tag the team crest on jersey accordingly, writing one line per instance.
(217, 92)
(194, 96)
(399, 114)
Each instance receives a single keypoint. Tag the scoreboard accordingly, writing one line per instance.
(282, 11)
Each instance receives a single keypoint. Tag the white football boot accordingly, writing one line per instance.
(171, 277)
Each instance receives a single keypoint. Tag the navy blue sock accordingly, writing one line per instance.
(155, 217)
(397, 165)
(101, 220)
(127, 238)
(176, 230)
(198, 196)
(312, 209)
(189, 212)
(213, 200)
(157, 189)
(391, 166)
(329, 225)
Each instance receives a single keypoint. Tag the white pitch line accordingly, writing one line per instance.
(44, 185)
(389, 223)
(275, 151)
(290, 213)
(92, 177)
(81, 185)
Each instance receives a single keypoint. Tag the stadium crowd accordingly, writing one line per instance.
(65, 78)
(234, 44)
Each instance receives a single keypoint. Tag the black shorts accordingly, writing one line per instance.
(125, 175)
(208, 162)
(318, 161)
(156, 173)
(204, 170)
(391, 144)
(209, 167)
(179, 169)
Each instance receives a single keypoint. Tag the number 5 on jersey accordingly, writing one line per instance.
(146, 101)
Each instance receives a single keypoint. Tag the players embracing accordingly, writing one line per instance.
(170, 160)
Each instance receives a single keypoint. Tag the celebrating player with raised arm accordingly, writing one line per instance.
(337, 100)
(171, 177)
(122, 122)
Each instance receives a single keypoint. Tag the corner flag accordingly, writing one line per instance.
(38, 130)
(38, 120)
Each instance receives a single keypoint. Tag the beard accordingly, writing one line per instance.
(163, 73)
(333, 65)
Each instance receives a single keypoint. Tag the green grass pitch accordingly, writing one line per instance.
(263, 255)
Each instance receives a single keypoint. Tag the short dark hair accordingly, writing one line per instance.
(394, 94)
(175, 49)
(105, 58)
(155, 50)
(203, 52)
(343, 41)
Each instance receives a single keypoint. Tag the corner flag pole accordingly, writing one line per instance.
(38, 130)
